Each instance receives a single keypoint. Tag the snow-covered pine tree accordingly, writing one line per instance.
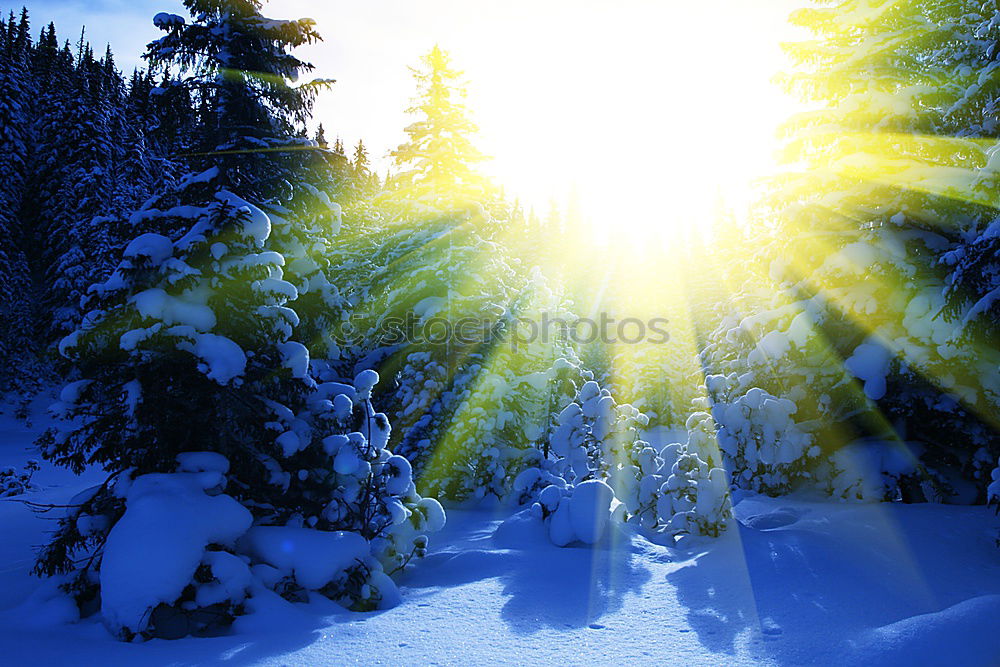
(855, 241)
(16, 92)
(596, 454)
(81, 243)
(240, 72)
(198, 400)
(437, 165)
(192, 386)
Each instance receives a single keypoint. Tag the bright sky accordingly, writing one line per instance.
(651, 109)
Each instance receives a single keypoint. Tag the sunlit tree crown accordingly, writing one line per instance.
(440, 155)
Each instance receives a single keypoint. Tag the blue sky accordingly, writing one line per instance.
(126, 25)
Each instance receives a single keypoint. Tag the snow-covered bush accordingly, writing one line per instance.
(14, 482)
(594, 434)
(874, 471)
(761, 444)
(671, 492)
(993, 491)
(579, 513)
(694, 499)
(591, 436)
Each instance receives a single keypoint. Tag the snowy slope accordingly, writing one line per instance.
(799, 582)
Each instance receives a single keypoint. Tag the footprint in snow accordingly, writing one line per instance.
(596, 626)
(769, 628)
(776, 519)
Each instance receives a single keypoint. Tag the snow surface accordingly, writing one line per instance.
(798, 581)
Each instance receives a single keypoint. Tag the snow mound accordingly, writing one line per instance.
(576, 514)
(313, 557)
(153, 551)
(968, 628)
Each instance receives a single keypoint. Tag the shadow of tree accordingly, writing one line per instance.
(775, 585)
(547, 586)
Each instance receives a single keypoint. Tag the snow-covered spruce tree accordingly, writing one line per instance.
(437, 164)
(239, 69)
(937, 382)
(54, 72)
(196, 399)
(972, 303)
(15, 98)
(221, 447)
(847, 329)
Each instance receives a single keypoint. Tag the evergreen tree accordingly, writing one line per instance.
(80, 241)
(197, 393)
(361, 173)
(439, 157)
(240, 74)
(16, 94)
(850, 331)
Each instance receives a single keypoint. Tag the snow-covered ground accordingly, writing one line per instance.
(798, 582)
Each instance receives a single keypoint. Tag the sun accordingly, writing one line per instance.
(632, 117)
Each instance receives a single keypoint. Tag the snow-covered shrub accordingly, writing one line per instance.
(993, 491)
(579, 513)
(591, 436)
(594, 434)
(14, 482)
(873, 471)
(901, 377)
(761, 444)
(694, 499)
(671, 492)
